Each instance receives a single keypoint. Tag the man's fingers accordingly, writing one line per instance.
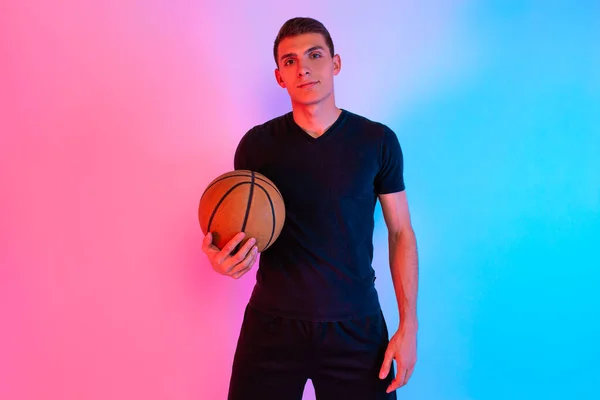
(387, 363)
(234, 265)
(242, 272)
(229, 247)
(208, 245)
(398, 380)
(206, 242)
(239, 256)
(245, 265)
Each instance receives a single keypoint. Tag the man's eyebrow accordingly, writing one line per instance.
(307, 51)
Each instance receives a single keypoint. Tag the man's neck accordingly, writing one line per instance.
(316, 119)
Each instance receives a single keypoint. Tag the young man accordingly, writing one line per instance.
(314, 312)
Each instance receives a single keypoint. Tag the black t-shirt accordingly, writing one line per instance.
(319, 269)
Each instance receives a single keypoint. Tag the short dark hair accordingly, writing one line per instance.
(298, 26)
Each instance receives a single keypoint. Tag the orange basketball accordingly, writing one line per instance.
(242, 201)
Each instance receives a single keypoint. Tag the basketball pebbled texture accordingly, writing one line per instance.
(242, 201)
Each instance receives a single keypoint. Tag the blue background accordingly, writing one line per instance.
(503, 173)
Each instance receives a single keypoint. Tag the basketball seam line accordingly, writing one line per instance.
(248, 205)
(238, 175)
(272, 213)
(214, 211)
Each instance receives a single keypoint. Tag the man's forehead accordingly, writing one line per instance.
(301, 43)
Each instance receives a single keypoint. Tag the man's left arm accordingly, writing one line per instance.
(403, 259)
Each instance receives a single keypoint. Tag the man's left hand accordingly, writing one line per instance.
(403, 349)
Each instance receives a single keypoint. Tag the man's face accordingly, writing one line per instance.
(306, 68)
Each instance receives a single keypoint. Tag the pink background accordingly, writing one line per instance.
(114, 115)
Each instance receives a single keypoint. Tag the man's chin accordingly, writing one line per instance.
(309, 100)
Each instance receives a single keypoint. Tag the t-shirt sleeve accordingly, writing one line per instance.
(390, 178)
(241, 159)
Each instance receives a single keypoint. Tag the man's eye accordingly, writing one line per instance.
(316, 55)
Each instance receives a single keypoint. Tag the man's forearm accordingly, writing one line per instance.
(404, 267)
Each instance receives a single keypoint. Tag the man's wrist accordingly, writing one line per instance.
(409, 323)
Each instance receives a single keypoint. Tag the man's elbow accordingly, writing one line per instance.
(402, 234)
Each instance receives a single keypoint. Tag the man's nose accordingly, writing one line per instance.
(302, 70)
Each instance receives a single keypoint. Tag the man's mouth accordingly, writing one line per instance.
(307, 85)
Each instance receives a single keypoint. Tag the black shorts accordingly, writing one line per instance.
(275, 357)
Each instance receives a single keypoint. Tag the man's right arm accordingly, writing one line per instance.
(224, 261)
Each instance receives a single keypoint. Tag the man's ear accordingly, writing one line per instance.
(337, 64)
(278, 78)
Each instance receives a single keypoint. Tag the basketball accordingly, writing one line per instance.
(242, 201)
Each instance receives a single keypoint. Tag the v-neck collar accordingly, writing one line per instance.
(329, 132)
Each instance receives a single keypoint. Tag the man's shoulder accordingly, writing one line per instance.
(267, 128)
(367, 125)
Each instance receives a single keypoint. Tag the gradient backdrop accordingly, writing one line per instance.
(114, 115)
